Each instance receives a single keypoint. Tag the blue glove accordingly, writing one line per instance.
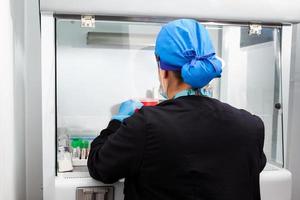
(127, 109)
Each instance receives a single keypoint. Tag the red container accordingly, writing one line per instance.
(149, 102)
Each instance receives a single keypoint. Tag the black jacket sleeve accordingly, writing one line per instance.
(261, 139)
(117, 152)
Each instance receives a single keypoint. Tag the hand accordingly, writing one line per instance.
(127, 109)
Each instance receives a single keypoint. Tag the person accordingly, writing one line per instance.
(189, 146)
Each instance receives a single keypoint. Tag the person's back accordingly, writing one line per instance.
(199, 148)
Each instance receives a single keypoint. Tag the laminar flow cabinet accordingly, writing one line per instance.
(92, 62)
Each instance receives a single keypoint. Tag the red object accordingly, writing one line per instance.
(149, 102)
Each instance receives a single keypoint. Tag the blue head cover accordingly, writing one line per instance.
(185, 45)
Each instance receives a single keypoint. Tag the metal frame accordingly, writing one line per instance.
(277, 99)
(286, 50)
(48, 104)
(49, 82)
(162, 20)
(283, 66)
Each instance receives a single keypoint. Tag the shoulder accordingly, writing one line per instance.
(135, 122)
(246, 118)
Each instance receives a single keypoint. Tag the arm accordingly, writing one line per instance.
(261, 139)
(117, 152)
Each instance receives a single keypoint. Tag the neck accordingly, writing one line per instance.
(172, 91)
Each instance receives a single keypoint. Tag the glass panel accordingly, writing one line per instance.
(98, 68)
(251, 80)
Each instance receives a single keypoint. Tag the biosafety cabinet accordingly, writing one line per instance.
(97, 54)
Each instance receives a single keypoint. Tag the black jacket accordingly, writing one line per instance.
(190, 148)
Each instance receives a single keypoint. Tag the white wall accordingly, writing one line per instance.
(293, 148)
(12, 165)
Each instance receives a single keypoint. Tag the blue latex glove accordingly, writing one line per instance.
(127, 109)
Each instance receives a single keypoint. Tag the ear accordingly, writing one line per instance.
(165, 73)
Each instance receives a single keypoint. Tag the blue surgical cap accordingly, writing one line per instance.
(185, 45)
